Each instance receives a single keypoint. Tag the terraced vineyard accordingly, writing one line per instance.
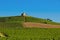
(31, 33)
(13, 27)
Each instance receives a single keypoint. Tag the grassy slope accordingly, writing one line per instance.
(11, 21)
(19, 19)
(31, 33)
(40, 20)
(10, 26)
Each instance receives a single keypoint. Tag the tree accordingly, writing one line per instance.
(48, 19)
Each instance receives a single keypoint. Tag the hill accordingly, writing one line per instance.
(18, 21)
(12, 26)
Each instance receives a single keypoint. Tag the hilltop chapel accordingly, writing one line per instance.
(23, 14)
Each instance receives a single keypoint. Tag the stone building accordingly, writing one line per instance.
(23, 14)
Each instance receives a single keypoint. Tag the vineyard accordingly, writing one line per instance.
(31, 33)
(12, 26)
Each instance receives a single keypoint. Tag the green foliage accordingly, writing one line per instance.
(40, 20)
(48, 19)
(31, 33)
(13, 27)
(11, 24)
(16, 19)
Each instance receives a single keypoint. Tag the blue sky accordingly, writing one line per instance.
(37, 8)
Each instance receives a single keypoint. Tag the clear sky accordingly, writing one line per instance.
(37, 8)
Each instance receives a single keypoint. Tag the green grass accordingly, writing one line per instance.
(13, 27)
(31, 33)
(26, 19)
(40, 20)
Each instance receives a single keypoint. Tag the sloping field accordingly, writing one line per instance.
(39, 25)
(31, 33)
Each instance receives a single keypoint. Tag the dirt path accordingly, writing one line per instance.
(39, 25)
